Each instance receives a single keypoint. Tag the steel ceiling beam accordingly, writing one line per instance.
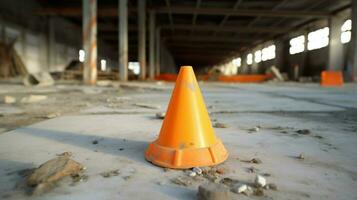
(241, 12)
(112, 12)
(227, 29)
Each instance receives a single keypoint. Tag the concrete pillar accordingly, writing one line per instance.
(152, 45)
(123, 40)
(51, 42)
(90, 41)
(352, 63)
(157, 51)
(336, 58)
(279, 54)
(142, 38)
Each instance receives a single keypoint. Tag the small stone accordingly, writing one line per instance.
(160, 115)
(95, 142)
(52, 115)
(249, 191)
(192, 174)
(229, 182)
(260, 181)
(303, 132)
(220, 125)
(9, 99)
(272, 186)
(256, 161)
(253, 170)
(259, 192)
(318, 137)
(255, 129)
(221, 170)
(79, 178)
(197, 170)
(240, 189)
(213, 191)
(301, 157)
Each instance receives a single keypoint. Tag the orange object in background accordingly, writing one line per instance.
(245, 78)
(187, 138)
(331, 78)
(166, 77)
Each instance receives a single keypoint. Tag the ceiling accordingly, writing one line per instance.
(203, 32)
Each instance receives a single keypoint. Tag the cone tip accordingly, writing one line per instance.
(186, 66)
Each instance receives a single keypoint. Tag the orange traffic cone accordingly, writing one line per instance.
(186, 138)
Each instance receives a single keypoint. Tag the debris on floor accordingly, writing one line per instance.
(260, 181)
(301, 156)
(213, 191)
(150, 106)
(240, 188)
(304, 132)
(33, 98)
(9, 99)
(45, 177)
(110, 173)
(160, 115)
(220, 125)
(253, 170)
(197, 170)
(53, 115)
(182, 180)
(254, 129)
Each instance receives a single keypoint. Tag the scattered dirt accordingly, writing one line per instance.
(182, 180)
(160, 115)
(220, 125)
(304, 132)
(110, 173)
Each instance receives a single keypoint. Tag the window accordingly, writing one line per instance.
(318, 39)
(250, 59)
(346, 31)
(135, 67)
(268, 53)
(103, 64)
(297, 45)
(258, 56)
(81, 55)
(237, 62)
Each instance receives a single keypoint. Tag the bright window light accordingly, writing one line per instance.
(237, 62)
(258, 56)
(81, 55)
(268, 53)
(297, 45)
(346, 31)
(135, 67)
(103, 64)
(318, 39)
(250, 59)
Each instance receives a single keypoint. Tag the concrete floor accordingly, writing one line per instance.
(123, 130)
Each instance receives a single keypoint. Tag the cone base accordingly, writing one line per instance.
(186, 158)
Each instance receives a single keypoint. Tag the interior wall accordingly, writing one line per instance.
(33, 37)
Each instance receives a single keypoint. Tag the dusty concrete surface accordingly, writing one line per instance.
(107, 129)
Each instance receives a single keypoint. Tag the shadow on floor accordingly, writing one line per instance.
(131, 149)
